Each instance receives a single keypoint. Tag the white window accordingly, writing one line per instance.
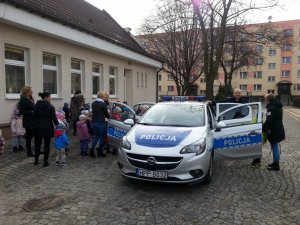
(271, 78)
(286, 60)
(142, 80)
(258, 74)
(15, 70)
(138, 79)
(272, 52)
(257, 87)
(298, 73)
(202, 80)
(286, 47)
(285, 73)
(170, 77)
(76, 74)
(287, 33)
(113, 81)
(96, 77)
(296, 87)
(271, 91)
(272, 65)
(259, 48)
(146, 80)
(50, 73)
(243, 87)
(258, 61)
(170, 88)
(243, 75)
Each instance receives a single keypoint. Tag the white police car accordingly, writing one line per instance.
(177, 142)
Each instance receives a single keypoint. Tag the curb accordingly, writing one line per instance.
(292, 113)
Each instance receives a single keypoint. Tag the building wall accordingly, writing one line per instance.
(36, 43)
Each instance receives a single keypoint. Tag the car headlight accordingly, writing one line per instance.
(198, 147)
(125, 143)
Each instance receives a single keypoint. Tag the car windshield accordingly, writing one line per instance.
(177, 114)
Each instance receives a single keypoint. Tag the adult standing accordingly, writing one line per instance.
(99, 118)
(273, 126)
(77, 102)
(26, 107)
(44, 119)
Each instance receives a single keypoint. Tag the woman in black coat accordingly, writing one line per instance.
(44, 119)
(26, 106)
(273, 126)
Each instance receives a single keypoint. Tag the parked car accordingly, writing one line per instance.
(178, 142)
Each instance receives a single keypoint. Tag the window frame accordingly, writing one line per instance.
(114, 77)
(255, 87)
(286, 60)
(271, 67)
(243, 87)
(270, 78)
(76, 71)
(283, 73)
(257, 73)
(242, 75)
(100, 75)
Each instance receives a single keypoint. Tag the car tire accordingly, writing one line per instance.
(208, 177)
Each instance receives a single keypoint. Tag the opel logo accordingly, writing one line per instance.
(151, 161)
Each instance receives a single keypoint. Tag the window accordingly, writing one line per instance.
(146, 80)
(76, 73)
(271, 78)
(170, 77)
(96, 77)
(50, 73)
(287, 33)
(271, 91)
(285, 73)
(112, 81)
(142, 79)
(159, 88)
(259, 48)
(257, 87)
(286, 47)
(296, 87)
(298, 73)
(298, 59)
(272, 65)
(243, 87)
(258, 74)
(159, 77)
(170, 88)
(243, 75)
(286, 60)
(202, 80)
(138, 79)
(244, 61)
(272, 52)
(15, 69)
(258, 61)
(259, 35)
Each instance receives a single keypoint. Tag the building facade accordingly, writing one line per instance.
(44, 46)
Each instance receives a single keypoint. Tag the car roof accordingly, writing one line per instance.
(184, 102)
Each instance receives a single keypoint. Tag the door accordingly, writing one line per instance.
(239, 132)
(116, 128)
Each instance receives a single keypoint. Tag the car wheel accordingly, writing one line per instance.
(208, 177)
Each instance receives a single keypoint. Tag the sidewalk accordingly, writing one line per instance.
(292, 110)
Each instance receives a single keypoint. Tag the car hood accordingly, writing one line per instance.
(164, 136)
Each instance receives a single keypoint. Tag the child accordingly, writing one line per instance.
(67, 111)
(83, 135)
(60, 115)
(88, 121)
(17, 131)
(61, 141)
(117, 113)
(2, 143)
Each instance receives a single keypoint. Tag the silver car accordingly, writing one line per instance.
(177, 142)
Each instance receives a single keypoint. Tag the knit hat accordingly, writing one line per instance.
(82, 117)
(60, 126)
(118, 110)
(60, 115)
(66, 105)
(85, 112)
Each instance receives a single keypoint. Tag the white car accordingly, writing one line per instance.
(177, 142)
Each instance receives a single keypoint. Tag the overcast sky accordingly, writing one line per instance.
(130, 13)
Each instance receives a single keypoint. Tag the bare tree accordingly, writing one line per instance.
(215, 18)
(173, 34)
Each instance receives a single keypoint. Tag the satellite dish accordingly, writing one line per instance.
(270, 18)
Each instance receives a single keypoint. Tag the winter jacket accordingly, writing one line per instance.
(77, 101)
(82, 130)
(60, 139)
(26, 107)
(273, 124)
(44, 117)
(99, 111)
(67, 113)
(17, 128)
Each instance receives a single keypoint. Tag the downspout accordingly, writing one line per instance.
(157, 73)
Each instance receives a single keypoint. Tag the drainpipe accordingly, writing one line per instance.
(157, 72)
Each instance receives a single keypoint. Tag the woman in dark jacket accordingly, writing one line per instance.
(273, 126)
(99, 118)
(26, 106)
(44, 119)
(77, 103)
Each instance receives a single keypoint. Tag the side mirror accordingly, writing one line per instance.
(221, 125)
(129, 122)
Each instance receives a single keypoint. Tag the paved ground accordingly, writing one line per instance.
(97, 194)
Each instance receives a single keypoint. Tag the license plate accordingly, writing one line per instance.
(152, 174)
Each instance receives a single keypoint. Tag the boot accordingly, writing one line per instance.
(20, 148)
(92, 153)
(36, 161)
(15, 149)
(30, 154)
(274, 167)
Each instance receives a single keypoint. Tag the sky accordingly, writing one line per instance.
(130, 13)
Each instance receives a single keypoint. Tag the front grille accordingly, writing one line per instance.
(162, 162)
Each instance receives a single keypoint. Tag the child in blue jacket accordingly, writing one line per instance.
(61, 141)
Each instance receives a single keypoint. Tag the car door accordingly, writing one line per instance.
(238, 133)
(116, 128)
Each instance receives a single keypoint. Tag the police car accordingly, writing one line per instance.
(178, 142)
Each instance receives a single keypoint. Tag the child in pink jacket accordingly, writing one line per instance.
(83, 135)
